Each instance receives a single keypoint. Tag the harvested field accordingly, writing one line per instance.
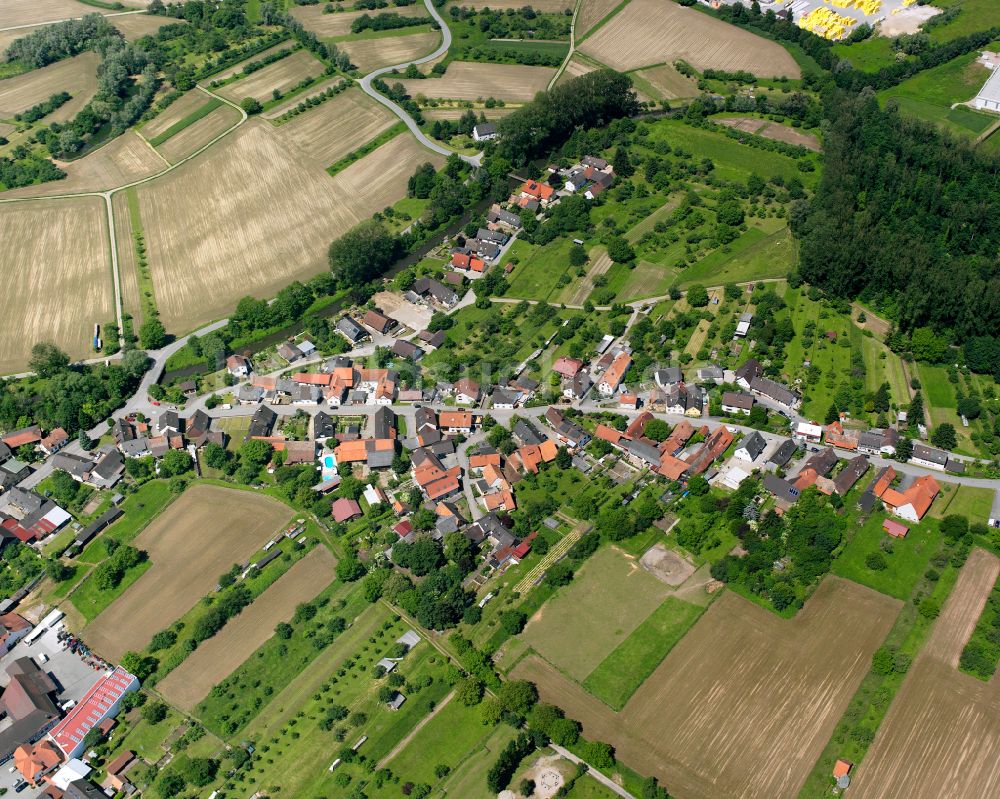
(582, 624)
(281, 75)
(575, 68)
(668, 83)
(119, 162)
(338, 126)
(369, 54)
(186, 104)
(262, 216)
(56, 253)
(192, 138)
(465, 80)
(329, 25)
(128, 267)
(135, 26)
(218, 657)
(649, 32)
(37, 12)
(592, 12)
(941, 737)
(237, 68)
(492, 114)
(542, 6)
(190, 544)
(77, 75)
(772, 130)
(317, 88)
(745, 702)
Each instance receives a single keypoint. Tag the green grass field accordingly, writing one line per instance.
(907, 562)
(764, 251)
(536, 277)
(140, 508)
(91, 600)
(468, 781)
(733, 161)
(973, 503)
(622, 672)
(976, 15)
(941, 404)
(870, 55)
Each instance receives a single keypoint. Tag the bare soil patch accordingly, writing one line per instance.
(941, 737)
(250, 214)
(466, 80)
(332, 130)
(218, 657)
(190, 544)
(575, 68)
(654, 32)
(330, 25)
(369, 54)
(186, 104)
(666, 565)
(192, 138)
(668, 82)
(55, 253)
(77, 75)
(745, 703)
(772, 130)
(281, 75)
(118, 163)
(415, 317)
(906, 20)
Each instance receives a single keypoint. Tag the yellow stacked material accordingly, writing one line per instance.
(826, 23)
(870, 7)
(908, 3)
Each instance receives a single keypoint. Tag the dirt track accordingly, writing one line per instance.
(745, 703)
(941, 737)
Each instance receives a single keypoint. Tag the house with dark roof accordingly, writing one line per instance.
(261, 423)
(351, 330)
(734, 402)
(783, 454)
(751, 447)
(784, 492)
(407, 349)
(323, 427)
(748, 372)
(928, 457)
(775, 391)
(288, 352)
(377, 321)
(853, 471)
(485, 131)
(27, 706)
(428, 287)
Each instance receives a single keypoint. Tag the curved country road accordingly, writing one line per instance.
(366, 86)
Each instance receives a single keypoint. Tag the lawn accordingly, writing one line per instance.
(973, 503)
(91, 600)
(538, 273)
(870, 55)
(976, 15)
(907, 561)
(589, 788)
(634, 659)
(468, 781)
(140, 508)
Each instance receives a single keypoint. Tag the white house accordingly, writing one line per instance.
(485, 131)
(807, 431)
(751, 448)
(928, 457)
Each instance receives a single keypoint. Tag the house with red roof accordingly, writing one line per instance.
(542, 192)
(345, 509)
(567, 367)
(914, 501)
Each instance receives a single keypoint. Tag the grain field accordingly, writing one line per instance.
(195, 136)
(338, 126)
(218, 657)
(329, 25)
(77, 75)
(369, 54)
(121, 161)
(55, 253)
(592, 12)
(281, 75)
(187, 103)
(128, 266)
(650, 32)
(941, 737)
(37, 12)
(190, 544)
(745, 703)
(466, 80)
(668, 83)
(250, 215)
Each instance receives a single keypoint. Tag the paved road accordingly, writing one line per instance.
(366, 86)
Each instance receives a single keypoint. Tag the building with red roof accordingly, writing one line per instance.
(913, 502)
(895, 529)
(102, 701)
(567, 367)
(345, 509)
(537, 191)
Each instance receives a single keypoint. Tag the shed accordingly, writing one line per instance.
(895, 529)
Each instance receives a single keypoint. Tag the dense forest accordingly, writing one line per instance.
(905, 217)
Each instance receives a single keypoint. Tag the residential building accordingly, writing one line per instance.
(914, 501)
(668, 376)
(734, 402)
(848, 477)
(928, 457)
(344, 510)
(614, 374)
(784, 492)
(425, 286)
(808, 432)
(378, 322)
(743, 326)
(748, 372)
(485, 131)
(467, 392)
(567, 367)
(751, 447)
(783, 454)
(238, 365)
(350, 330)
(775, 391)
(261, 423)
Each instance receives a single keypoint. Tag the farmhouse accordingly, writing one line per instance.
(28, 516)
(54, 441)
(36, 761)
(928, 457)
(837, 436)
(912, 502)
(578, 387)
(101, 702)
(775, 391)
(878, 442)
(568, 433)
(734, 402)
(686, 399)
(455, 421)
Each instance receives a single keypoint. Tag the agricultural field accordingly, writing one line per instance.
(123, 160)
(198, 134)
(575, 68)
(280, 76)
(648, 32)
(930, 95)
(591, 13)
(53, 250)
(740, 691)
(36, 12)
(975, 15)
(77, 75)
(128, 266)
(541, 6)
(216, 658)
(385, 51)
(202, 533)
(609, 598)
(327, 26)
(941, 736)
(338, 126)
(135, 26)
(492, 114)
(772, 130)
(666, 82)
(253, 228)
(466, 80)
